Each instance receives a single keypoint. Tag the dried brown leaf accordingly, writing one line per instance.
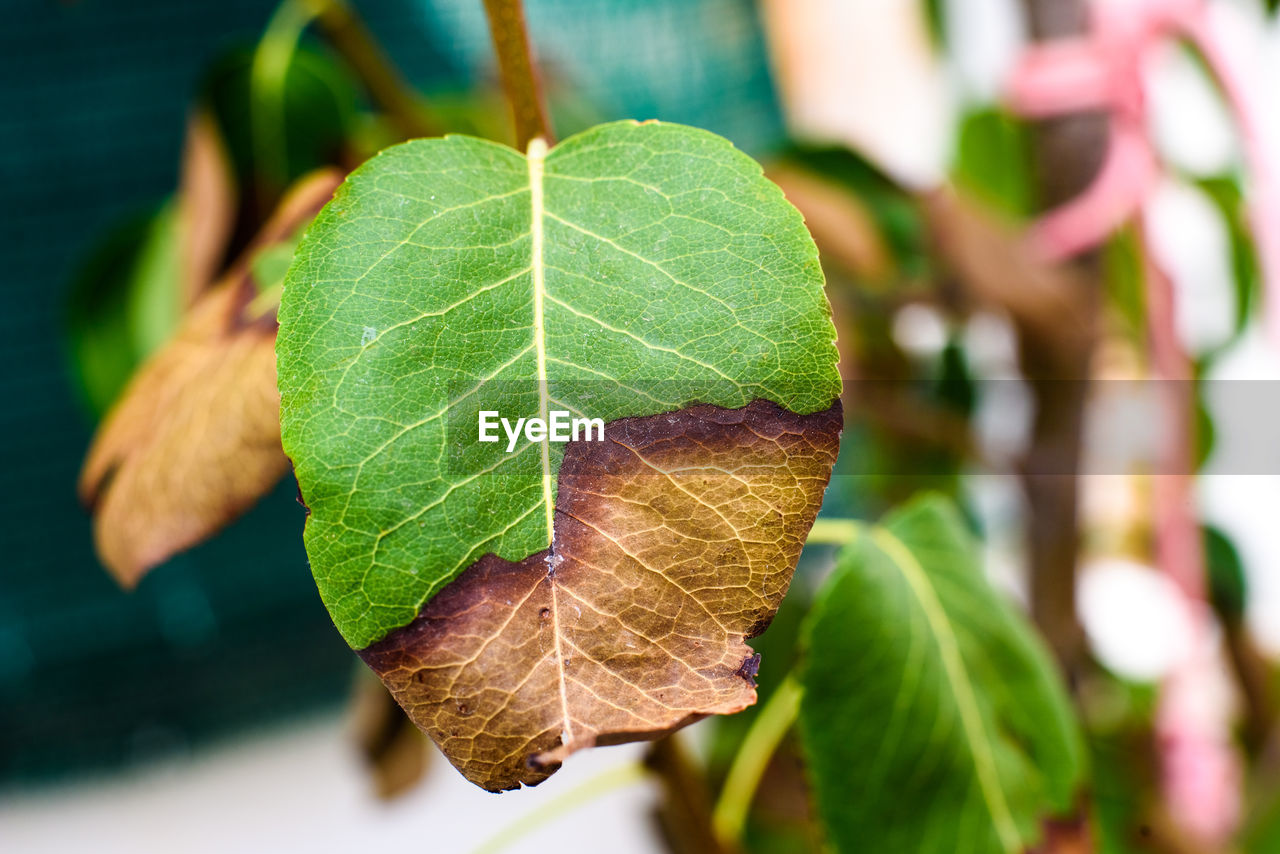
(194, 440)
(395, 751)
(674, 541)
(999, 267)
(206, 204)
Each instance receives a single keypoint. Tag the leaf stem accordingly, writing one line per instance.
(761, 742)
(685, 812)
(519, 76)
(834, 532)
(602, 784)
(267, 126)
(384, 83)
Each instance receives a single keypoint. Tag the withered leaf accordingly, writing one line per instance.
(396, 753)
(524, 600)
(997, 266)
(674, 542)
(195, 438)
(206, 204)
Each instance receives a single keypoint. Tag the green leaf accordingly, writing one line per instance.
(300, 123)
(124, 302)
(155, 297)
(1228, 582)
(518, 601)
(1225, 194)
(639, 268)
(935, 15)
(1126, 285)
(993, 161)
(932, 718)
(1262, 834)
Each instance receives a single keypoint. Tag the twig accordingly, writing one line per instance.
(685, 813)
(519, 76)
(268, 129)
(585, 792)
(833, 532)
(1068, 151)
(352, 40)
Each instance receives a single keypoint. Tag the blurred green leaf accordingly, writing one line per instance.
(1126, 290)
(155, 292)
(270, 263)
(1225, 194)
(955, 387)
(935, 15)
(993, 162)
(315, 111)
(124, 302)
(1263, 833)
(1121, 754)
(932, 717)
(1228, 585)
(1206, 432)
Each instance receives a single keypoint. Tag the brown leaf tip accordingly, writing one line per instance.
(675, 540)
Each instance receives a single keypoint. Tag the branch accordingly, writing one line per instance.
(398, 99)
(685, 812)
(833, 532)
(1068, 153)
(615, 778)
(519, 77)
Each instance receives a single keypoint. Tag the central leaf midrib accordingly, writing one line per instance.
(536, 157)
(980, 748)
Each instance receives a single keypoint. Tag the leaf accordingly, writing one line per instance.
(1262, 831)
(194, 440)
(1224, 193)
(1228, 582)
(523, 605)
(395, 752)
(993, 162)
(206, 204)
(122, 304)
(932, 718)
(314, 112)
(129, 294)
(155, 303)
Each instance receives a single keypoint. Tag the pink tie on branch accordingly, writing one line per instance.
(1263, 190)
(1128, 175)
(1202, 772)
(1103, 71)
